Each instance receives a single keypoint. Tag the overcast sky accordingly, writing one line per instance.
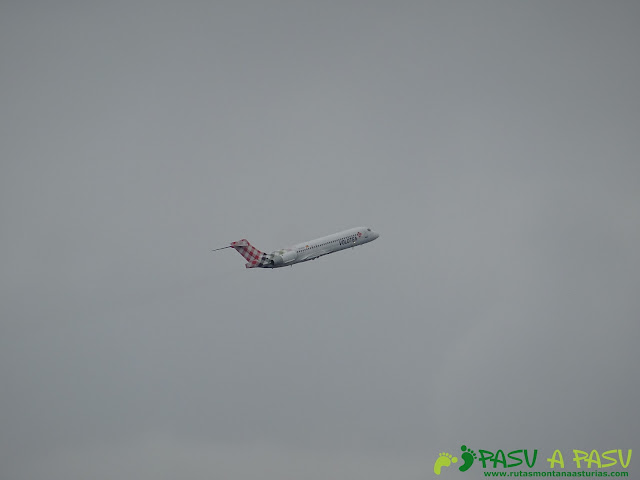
(493, 144)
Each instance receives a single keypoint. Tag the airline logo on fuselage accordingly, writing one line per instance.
(349, 239)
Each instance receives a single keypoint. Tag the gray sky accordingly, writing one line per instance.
(494, 145)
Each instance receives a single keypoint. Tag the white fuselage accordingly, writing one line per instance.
(313, 249)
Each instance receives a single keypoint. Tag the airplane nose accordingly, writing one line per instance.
(375, 235)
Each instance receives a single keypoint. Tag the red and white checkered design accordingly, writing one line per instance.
(254, 257)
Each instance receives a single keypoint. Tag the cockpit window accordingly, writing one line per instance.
(368, 229)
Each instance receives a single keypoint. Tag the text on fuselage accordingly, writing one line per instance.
(346, 240)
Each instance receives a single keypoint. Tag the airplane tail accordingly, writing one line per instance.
(254, 257)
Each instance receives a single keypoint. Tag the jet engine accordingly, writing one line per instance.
(283, 258)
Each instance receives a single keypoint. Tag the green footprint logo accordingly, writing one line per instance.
(468, 456)
(444, 460)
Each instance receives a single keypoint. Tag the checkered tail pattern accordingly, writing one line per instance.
(255, 258)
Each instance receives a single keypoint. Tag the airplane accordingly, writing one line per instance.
(304, 251)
